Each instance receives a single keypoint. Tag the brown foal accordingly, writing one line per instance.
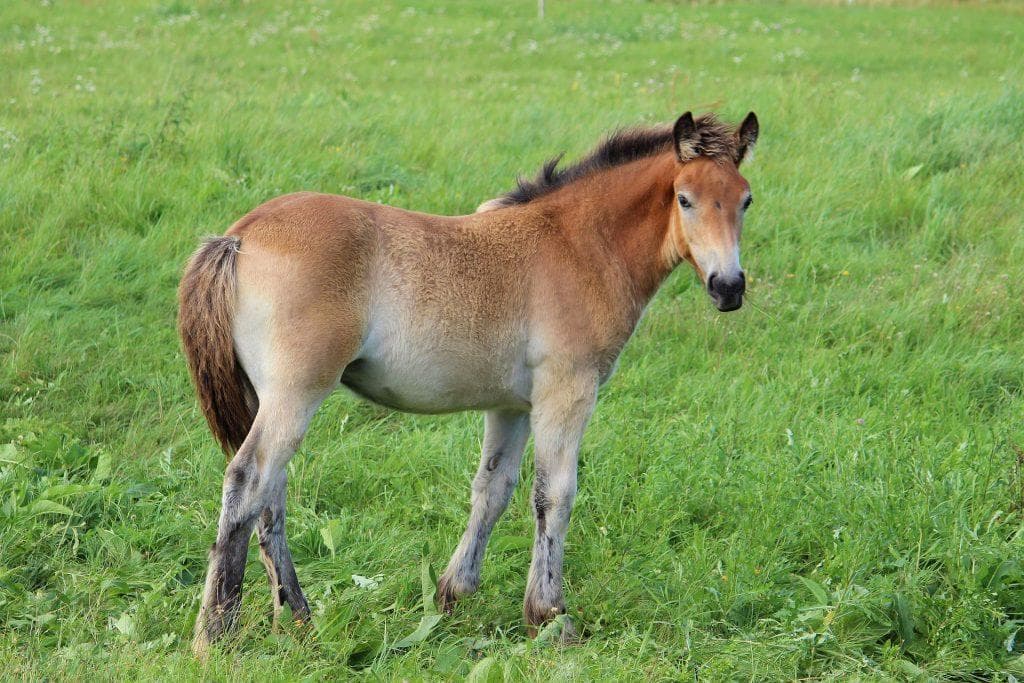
(519, 310)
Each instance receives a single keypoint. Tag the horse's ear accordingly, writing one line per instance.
(684, 135)
(746, 136)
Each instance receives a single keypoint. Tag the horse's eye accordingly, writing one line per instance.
(684, 202)
(747, 202)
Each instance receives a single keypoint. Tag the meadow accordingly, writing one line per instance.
(824, 485)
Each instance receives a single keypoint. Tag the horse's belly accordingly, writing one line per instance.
(430, 384)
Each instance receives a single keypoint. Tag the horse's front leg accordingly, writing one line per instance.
(505, 435)
(562, 405)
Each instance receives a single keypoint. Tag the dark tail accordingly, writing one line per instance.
(206, 300)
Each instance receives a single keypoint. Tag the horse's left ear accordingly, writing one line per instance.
(746, 136)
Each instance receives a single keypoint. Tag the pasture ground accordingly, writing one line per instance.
(824, 485)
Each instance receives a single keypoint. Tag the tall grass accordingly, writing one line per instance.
(826, 484)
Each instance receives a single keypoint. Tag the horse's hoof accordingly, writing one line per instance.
(558, 631)
(568, 634)
(446, 595)
(201, 647)
(303, 627)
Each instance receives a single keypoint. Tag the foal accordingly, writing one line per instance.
(519, 310)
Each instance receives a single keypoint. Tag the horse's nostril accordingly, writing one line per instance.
(711, 281)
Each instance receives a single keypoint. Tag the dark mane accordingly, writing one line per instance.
(716, 139)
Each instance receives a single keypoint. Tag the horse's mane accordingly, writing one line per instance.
(713, 139)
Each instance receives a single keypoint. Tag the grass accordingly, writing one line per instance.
(825, 485)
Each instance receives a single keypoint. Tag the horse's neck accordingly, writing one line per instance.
(627, 208)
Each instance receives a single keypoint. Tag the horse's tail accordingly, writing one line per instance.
(206, 300)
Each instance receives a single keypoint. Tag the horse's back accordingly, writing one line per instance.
(430, 311)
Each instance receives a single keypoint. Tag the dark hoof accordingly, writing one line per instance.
(206, 635)
(446, 596)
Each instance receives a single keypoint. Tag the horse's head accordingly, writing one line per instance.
(711, 199)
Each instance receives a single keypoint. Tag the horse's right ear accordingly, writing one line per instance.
(684, 135)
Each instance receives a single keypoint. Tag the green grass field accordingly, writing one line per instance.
(825, 485)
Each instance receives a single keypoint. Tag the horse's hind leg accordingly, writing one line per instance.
(253, 478)
(505, 436)
(284, 584)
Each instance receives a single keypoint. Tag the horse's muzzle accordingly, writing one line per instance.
(727, 290)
